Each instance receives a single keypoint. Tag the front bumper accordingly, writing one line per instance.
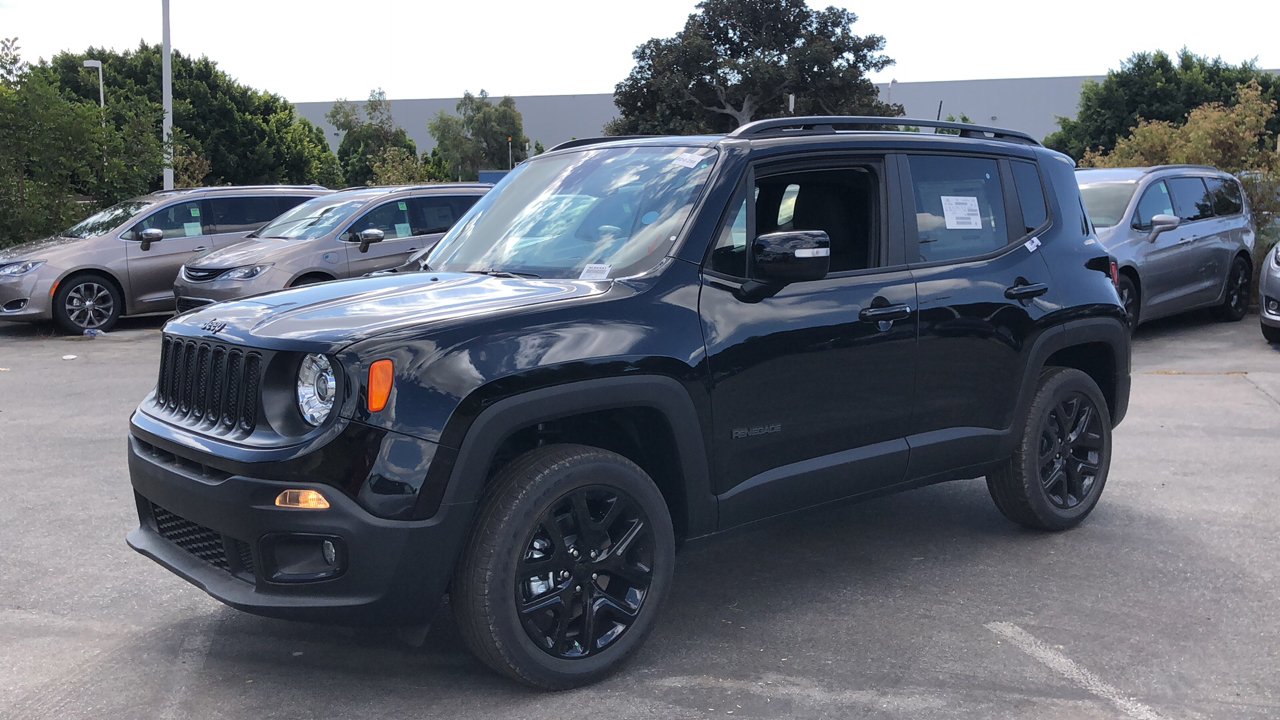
(1269, 290)
(190, 295)
(26, 297)
(227, 526)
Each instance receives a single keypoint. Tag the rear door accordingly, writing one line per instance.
(431, 216)
(186, 229)
(985, 292)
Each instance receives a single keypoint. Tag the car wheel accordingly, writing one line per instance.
(1272, 334)
(87, 302)
(566, 568)
(1060, 465)
(1236, 303)
(1129, 298)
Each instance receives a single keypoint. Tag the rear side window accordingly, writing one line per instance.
(1191, 198)
(242, 214)
(181, 220)
(1026, 178)
(959, 206)
(1226, 196)
(437, 214)
(1155, 201)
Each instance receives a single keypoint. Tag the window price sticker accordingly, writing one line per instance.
(595, 272)
(961, 212)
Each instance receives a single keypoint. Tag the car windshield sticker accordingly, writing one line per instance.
(961, 212)
(195, 212)
(1032, 245)
(595, 272)
(402, 230)
(191, 229)
(689, 160)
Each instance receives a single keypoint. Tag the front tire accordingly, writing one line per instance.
(567, 567)
(1272, 334)
(1129, 298)
(1236, 302)
(1060, 465)
(87, 302)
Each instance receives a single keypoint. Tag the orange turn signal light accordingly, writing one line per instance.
(302, 500)
(381, 377)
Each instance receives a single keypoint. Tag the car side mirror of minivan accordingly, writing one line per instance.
(148, 236)
(369, 237)
(1162, 223)
(792, 256)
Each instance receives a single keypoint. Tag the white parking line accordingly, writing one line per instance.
(1064, 666)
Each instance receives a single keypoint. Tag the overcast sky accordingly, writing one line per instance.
(323, 49)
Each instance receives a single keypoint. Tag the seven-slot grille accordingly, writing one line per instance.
(211, 386)
(224, 553)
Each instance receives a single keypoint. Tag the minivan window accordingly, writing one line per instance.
(1191, 198)
(243, 214)
(391, 218)
(107, 220)
(313, 218)
(1226, 196)
(959, 206)
(436, 214)
(1026, 178)
(181, 220)
(1155, 201)
(1106, 202)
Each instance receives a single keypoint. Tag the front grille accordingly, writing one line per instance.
(201, 274)
(183, 304)
(209, 386)
(225, 553)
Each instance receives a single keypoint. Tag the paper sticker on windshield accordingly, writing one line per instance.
(191, 229)
(1032, 245)
(402, 206)
(689, 160)
(595, 272)
(402, 230)
(961, 212)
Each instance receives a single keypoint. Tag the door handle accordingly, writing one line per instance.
(1026, 291)
(888, 313)
(200, 249)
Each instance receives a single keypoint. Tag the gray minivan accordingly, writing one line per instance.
(121, 261)
(347, 234)
(1182, 236)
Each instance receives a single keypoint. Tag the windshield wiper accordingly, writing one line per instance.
(504, 274)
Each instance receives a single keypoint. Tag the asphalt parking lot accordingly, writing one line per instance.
(922, 605)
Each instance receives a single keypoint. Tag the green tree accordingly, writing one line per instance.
(1156, 87)
(242, 132)
(12, 66)
(739, 60)
(366, 136)
(482, 135)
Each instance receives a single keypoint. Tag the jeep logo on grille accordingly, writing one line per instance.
(213, 326)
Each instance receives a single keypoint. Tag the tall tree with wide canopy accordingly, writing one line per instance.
(479, 135)
(739, 60)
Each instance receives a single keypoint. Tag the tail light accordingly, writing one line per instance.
(1115, 274)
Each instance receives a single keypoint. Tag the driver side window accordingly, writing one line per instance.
(1155, 201)
(181, 220)
(391, 218)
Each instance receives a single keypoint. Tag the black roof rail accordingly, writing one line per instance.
(579, 142)
(825, 125)
(215, 188)
(421, 186)
(1180, 166)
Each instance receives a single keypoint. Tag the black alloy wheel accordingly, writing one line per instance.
(1235, 302)
(1129, 299)
(1070, 451)
(585, 572)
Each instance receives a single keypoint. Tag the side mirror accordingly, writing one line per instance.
(148, 236)
(369, 237)
(1163, 223)
(794, 256)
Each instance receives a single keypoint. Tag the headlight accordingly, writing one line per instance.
(21, 268)
(245, 273)
(317, 387)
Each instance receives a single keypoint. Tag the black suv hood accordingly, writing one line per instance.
(331, 315)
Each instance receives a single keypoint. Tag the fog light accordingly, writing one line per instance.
(15, 305)
(304, 558)
(330, 552)
(302, 500)
(1273, 306)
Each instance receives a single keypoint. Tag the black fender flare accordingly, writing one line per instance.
(497, 422)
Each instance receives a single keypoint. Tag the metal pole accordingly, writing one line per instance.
(510, 165)
(166, 91)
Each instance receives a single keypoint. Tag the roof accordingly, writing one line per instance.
(1135, 174)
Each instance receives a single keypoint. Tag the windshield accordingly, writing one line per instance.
(1106, 202)
(313, 218)
(107, 220)
(594, 214)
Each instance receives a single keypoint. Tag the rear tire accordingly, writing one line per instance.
(1236, 301)
(1130, 299)
(87, 302)
(1272, 334)
(566, 568)
(1059, 468)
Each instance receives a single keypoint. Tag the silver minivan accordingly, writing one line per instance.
(347, 234)
(121, 261)
(1182, 236)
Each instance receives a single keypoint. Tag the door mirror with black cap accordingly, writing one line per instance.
(369, 237)
(792, 256)
(148, 236)
(1163, 223)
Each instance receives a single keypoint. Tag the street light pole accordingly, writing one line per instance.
(102, 94)
(166, 93)
(509, 162)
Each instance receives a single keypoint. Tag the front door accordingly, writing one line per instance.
(1166, 263)
(812, 382)
(186, 229)
(400, 238)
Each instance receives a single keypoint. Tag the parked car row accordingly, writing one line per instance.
(185, 248)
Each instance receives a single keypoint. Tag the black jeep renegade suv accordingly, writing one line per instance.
(631, 344)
